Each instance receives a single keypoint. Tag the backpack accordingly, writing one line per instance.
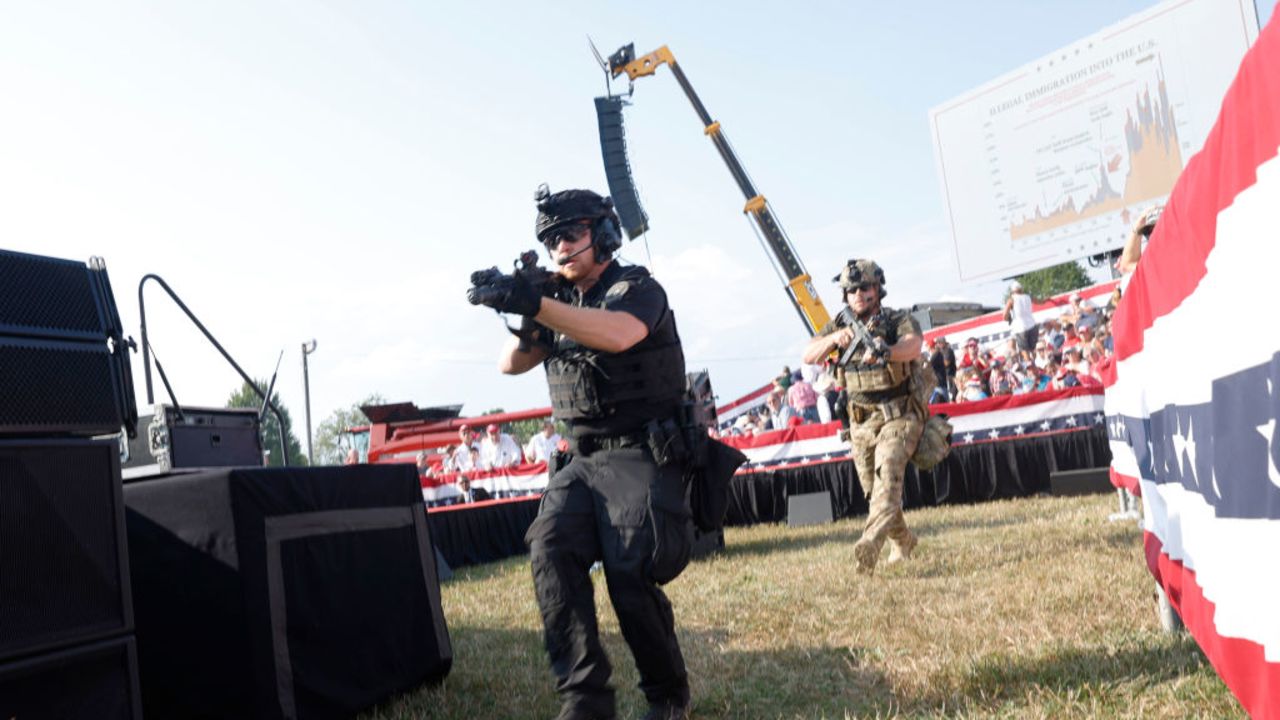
(935, 441)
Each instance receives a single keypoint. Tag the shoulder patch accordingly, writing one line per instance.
(617, 290)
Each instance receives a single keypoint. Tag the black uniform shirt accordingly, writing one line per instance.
(627, 289)
(631, 290)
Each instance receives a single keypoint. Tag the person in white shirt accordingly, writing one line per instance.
(542, 445)
(461, 459)
(1081, 314)
(1043, 356)
(1075, 361)
(498, 450)
(780, 413)
(1022, 323)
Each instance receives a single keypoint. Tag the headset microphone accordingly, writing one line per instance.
(570, 257)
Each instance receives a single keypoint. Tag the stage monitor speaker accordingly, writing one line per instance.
(64, 362)
(283, 592)
(1089, 481)
(64, 572)
(204, 437)
(617, 170)
(809, 509)
(98, 681)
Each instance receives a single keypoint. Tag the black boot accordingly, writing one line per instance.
(573, 713)
(678, 710)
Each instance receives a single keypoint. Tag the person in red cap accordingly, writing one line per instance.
(498, 449)
(462, 459)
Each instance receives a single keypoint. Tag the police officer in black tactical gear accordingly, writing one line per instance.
(607, 338)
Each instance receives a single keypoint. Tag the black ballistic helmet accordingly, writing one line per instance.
(556, 210)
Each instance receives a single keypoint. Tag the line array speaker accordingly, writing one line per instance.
(617, 170)
(63, 357)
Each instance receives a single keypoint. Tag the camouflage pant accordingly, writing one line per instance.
(881, 450)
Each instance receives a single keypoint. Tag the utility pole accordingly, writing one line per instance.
(307, 349)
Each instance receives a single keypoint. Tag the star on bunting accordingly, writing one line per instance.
(1268, 431)
(1186, 444)
(1117, 428)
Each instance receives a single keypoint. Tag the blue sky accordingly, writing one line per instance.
(301, 170)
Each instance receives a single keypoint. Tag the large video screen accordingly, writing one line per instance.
(1053, 161)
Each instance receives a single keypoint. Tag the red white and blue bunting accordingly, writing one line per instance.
(1000, 419)
(519, 481)
(1193, 396)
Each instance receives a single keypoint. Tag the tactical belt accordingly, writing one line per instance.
(588, 444)
(875, 397)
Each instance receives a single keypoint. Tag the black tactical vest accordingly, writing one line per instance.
(646, 380)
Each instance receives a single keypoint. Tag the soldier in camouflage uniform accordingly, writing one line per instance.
(886, 419)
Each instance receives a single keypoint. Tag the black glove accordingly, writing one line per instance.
(532, 334)
(519, 299)
(881, 350)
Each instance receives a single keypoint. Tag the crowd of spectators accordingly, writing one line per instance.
(491, 450)
(797, 397)
(1061, 352)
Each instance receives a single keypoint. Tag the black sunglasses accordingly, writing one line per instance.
(569, 233)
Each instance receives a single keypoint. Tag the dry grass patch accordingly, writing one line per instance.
(1033, 608)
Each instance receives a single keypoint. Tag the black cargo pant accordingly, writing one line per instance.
(620, 507)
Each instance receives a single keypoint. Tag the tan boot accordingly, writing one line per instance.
(900, 550)
(865, 552)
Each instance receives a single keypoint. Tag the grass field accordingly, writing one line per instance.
(1031, 608)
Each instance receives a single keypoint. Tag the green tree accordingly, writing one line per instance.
(522, 430)
(245, 397)
(327, 444)
(1055, 280)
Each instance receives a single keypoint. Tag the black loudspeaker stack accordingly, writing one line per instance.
(617, 169)
(66, 616)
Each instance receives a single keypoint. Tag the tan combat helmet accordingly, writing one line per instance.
(858, 271)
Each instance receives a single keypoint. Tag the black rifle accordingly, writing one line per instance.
(492, 285)
(864, 339)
